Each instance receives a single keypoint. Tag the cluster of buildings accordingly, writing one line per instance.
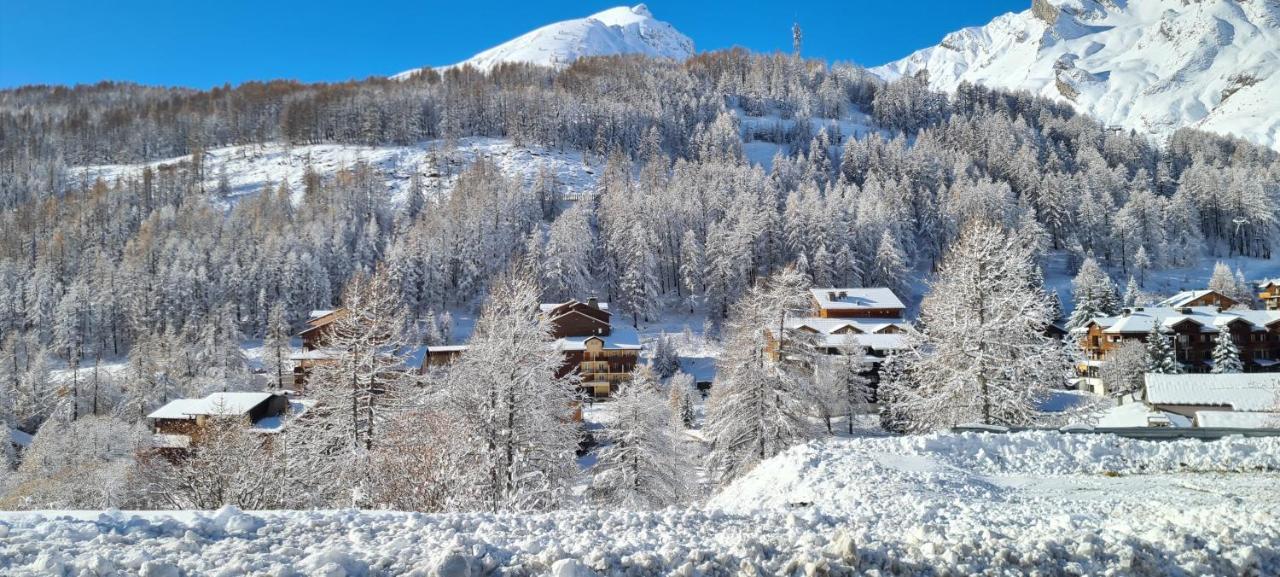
(601, 354)
(1195, 322)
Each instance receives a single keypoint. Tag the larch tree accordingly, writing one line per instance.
(763, 395)
(357, 390)
(1093, 293)
(680, 398)
(889, 269)
(983, 354)
(277, 347)
(843, 379)
(1122, 372)
(511, 407)
(643, 466)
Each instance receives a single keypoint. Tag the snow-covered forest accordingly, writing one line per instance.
(721, 185)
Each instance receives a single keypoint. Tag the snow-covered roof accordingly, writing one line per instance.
(1138, 415)
(1239, 391)
(315, 314)
(447, 348)
(225, 404)
(621, 338)
(1183, 298)
(548, 307)
(831, 325)
(1139, 320)
(1238, 420)
(313, 355)
(856, 298)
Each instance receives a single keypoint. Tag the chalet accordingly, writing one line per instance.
(1198, 298)
(1193, 331)
(441, 355)
(1238, 400)
(181, 422)
(602, 355)
(844, 318)
(1270, 294)
(313, 336)
(857, 303)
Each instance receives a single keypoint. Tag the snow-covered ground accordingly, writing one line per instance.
(947, 504)
(249, 168)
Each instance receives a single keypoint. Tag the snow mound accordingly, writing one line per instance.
(1149, 65)
(942, 504)
(620, 30)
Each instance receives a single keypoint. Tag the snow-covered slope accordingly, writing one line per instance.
(946, 504)
(1150, 65)
(251, 167)
(620, 30)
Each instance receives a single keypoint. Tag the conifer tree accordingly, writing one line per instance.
(1226, 356)
(644, 465)
(680, 393)
(1093, 293)
(1161, 357)
(983, 354)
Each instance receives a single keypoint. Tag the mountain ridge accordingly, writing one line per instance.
(618, 30)
(1149, 65)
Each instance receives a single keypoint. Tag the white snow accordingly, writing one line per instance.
(1236, 391)
(1149, 65)
(249, 168)
(1238, 420)
(235, 403)
(620, 30)
(942, 504)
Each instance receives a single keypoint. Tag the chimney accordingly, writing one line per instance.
(1126, 312)
(593, 302)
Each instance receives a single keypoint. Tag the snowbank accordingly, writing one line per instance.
(938, 504)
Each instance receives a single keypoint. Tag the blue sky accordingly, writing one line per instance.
(202, 44)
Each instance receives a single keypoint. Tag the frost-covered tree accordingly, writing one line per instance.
(644, 465)
(1161, 356)
(1093, 293)
(511, 409)
(277, 347)
(761, 401)
(230, 465)
(1223, 280)
(845, 388)
(82, 464)
(1122, 370)
(680, 398)
(982, 354)
(664, 360)
(357, 390)
(1226, 356)
(889, 269)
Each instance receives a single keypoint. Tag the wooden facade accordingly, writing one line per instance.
(583, 330)
(1193, 345)
(1199, 298)
(578, 319)
(1270, 295)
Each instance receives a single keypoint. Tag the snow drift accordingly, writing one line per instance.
(938, 504)
(1149, 65)
(620, 30)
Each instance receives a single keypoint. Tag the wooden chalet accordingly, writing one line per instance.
(441, 355)
(846, 317)
(319, 323)
(181, 422)
(876, 302)
(1236, 400)
(1198, 298)
(1269, 294)
(602, 356)
(1193, 331)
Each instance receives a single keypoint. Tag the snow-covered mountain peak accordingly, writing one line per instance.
(1150, 65)
(620, 30)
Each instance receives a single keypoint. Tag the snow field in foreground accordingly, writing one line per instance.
(946, 504)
